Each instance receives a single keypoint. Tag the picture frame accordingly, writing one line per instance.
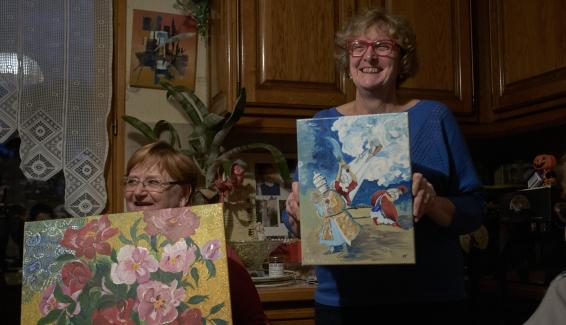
(254, 210)
(164, 48)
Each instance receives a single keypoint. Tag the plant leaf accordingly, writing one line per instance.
(213, 120)
(278, 158)
(238, 110)
(181, 97)
(163, 125)
(141, 126)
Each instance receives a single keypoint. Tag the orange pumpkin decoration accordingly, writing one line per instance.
(544, 164)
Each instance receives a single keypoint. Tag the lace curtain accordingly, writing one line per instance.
(55, 91)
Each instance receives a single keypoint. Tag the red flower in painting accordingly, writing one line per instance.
(173, 223)
(116, 314)
(75, 275)
(90, 239)
(189, 317)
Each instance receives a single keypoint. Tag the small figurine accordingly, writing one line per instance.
(544, 165)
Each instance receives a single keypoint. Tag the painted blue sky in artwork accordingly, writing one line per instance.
(323, 142)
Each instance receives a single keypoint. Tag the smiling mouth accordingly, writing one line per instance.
(142, 204)
(371, 70)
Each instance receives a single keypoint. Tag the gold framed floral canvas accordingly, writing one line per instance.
(155, 267)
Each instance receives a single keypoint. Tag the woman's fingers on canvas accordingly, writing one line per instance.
(423, 193)
(292, 203)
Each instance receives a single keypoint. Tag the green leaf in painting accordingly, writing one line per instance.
(125, 240)
(62, 320)
(134, 230)
(144, 237)
(65, 258)
(166, 277)
(211, 268)
(195, 300)
(154, 243)
(51, 317)
(60, 296)
(219, 321)
(216, 308)
(195, 275)
(106, 301)
(165, 242)
(114, 256)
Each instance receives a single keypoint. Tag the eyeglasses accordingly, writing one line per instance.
(151, 184)
(358, 48)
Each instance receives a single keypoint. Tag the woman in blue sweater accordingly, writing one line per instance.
(377, 52)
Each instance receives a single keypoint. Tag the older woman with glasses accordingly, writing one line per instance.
(376, 51)
(160, 177)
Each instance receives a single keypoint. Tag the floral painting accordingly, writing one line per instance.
(355, 175)
(154, 267)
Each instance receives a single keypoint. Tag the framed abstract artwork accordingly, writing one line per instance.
(155, 267)
(355, 198)
(164, 47)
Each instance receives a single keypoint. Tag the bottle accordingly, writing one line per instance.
(276, 266)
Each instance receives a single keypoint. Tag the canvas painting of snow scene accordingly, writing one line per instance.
(355, 198)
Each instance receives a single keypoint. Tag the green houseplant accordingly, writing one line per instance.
(209, 130)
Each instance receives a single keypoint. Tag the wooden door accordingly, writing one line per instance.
(527, 52)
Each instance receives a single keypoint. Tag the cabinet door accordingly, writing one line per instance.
(528, 46)
(287, 60)
(443, 51)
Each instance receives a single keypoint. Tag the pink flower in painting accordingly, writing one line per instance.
(189, 317)
(75, 275)
(116, 314)
(49, 302)
(211, 250)
(158, 302)
(173, 223)
(91, 238)
(134, 264)
(177, 257)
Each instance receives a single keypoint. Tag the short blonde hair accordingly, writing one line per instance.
(178, 165)
(397, 27)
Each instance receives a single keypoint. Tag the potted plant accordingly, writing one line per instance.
(214, 162)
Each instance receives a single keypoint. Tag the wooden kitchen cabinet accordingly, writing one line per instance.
(444, 52)
(522, 66)
(498, 64)
(282, 53)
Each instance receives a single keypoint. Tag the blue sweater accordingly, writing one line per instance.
(439, 152)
